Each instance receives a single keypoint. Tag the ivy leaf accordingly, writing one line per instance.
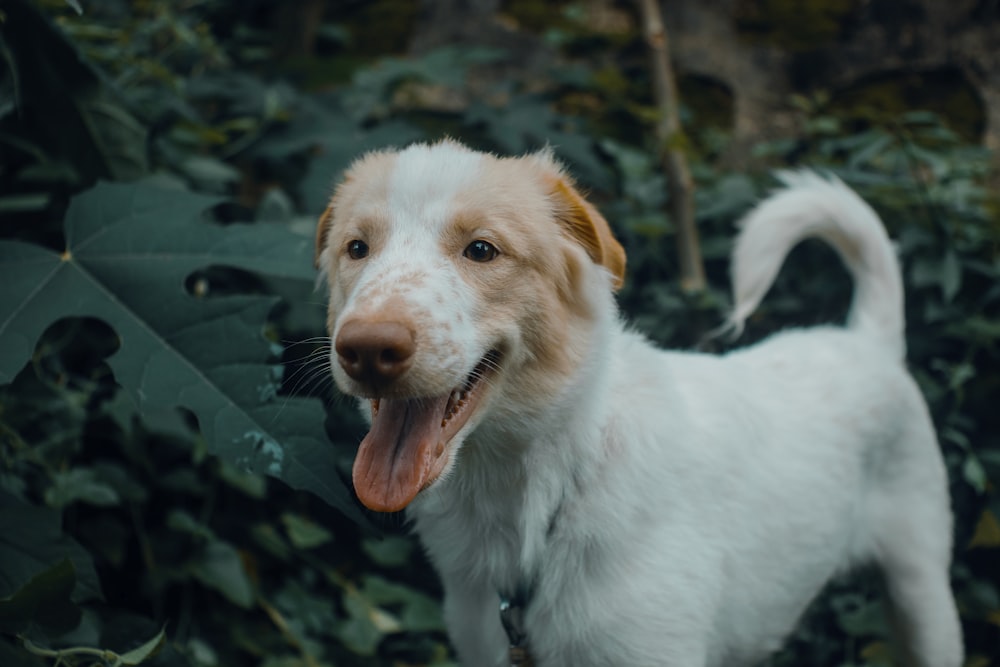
(221, 568)
(365, 625)
(81, 115)
(389, 551)
(859, 616)
(44, 600)
(339, 149)
(303, 532)
(80, 484)
(142, 653)
(417, 611)
(32, 542)
(987, 533)
(951, 275)
(129, 251)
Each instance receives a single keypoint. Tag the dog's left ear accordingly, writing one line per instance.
(322, 232)
(326, 222)
(588, 227)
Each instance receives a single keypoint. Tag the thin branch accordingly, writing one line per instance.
(680, 186)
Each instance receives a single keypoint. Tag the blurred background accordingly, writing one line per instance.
(132, 528)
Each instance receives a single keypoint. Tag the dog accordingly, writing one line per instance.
(625, 505)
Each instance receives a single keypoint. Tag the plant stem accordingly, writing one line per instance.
(670, 134)
(99, 653)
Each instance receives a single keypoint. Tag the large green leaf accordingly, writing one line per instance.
(129, 251)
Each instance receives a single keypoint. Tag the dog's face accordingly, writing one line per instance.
(450, 274)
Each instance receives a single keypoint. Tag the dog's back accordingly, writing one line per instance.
(903, 522)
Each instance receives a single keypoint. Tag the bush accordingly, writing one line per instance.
(161, 345)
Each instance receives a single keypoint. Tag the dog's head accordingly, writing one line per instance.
(460, 284)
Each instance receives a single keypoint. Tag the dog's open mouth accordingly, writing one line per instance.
(407, 446)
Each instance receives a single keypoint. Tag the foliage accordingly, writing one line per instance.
(129, 250)
(158, 330)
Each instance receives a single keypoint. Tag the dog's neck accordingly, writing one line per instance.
(500, 506)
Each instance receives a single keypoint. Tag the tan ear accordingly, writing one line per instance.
(589, 228)
(322, 232)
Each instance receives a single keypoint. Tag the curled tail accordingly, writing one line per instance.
(813, 206)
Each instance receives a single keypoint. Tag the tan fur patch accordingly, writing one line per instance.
(522, 206)
(587, 226)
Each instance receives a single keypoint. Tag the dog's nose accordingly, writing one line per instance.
(374, 352)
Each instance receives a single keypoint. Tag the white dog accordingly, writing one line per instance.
(629, 506)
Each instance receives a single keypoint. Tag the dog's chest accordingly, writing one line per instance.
(538, 562)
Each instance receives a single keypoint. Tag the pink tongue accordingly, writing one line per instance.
(395, 458)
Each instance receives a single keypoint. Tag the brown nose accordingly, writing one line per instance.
(374, 352)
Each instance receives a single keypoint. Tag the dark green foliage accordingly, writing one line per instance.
(158, 330)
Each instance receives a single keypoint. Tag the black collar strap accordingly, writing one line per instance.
(512, 618)
(512, 609)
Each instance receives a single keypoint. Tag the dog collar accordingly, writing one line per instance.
(512, 619)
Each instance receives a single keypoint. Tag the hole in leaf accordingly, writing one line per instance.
(73, 351)
(221, 281)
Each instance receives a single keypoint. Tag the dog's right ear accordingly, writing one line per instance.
(588, 228)
(322, 232)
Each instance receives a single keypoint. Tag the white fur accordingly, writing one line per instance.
(670, 509)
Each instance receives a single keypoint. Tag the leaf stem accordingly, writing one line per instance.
(60, 654)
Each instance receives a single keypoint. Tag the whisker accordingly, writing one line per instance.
(307, 374)
(314, 340)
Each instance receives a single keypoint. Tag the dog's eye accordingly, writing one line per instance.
(481, 251)
(357, 249)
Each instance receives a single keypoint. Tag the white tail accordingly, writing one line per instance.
(813, 206)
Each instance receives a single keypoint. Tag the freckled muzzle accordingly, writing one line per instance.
(408, 445)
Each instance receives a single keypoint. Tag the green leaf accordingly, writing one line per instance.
(251, 484)
(305, 533)
(951, 275)
(268, 538)
(210, 174)
(75, 112)
(726, 199)
(339, 149)
(12, 655)
(944, 272)
(32, 541)
(417, 611)
(183, 522)
(80, 485)
(45, 600)
(389, 551)
(220, 568)
(147, 650)
(29, 201)
(859, 616)
(308, 608)
(974, 473)
(130, 249)
(871, 150)
(365, 625)
(978, 328)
